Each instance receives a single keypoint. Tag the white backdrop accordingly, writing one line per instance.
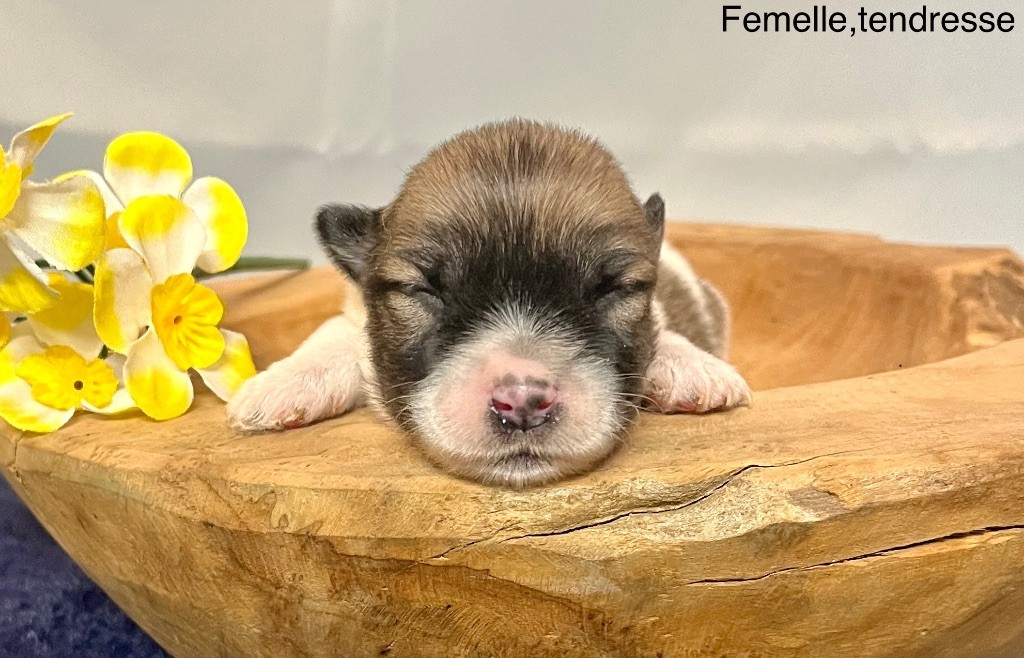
(914, 137)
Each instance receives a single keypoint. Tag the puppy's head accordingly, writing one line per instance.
(508, 291)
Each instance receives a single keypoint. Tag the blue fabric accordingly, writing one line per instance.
(48, 606)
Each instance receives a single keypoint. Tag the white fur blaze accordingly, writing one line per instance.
(452, 415)
(685, 379)
(322, 379)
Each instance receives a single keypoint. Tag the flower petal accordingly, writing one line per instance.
(20, 409)
(120, 403)
(10, 185)
(62, 221)
(185, 317)
(17, 406)
(21, 283)
(53, 374)
(22, 344)
(222, 213)
(113, 206)
(116, 362)
(61, 378)
(143, 163)
(110, 200)
(100, 384)
(165, 232)
(122, 399)
(27, 144)
(69, 320)
(122, 287)
(112, 238)
(161, 390)
(234, 367)
(19, 348)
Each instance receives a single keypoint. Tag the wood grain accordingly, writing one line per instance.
(858, 508)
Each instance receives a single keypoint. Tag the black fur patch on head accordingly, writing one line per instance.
(573, 287)
(513, 216)
(348, 233)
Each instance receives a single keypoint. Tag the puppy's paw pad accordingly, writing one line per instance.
(283, 399)
(689, 384)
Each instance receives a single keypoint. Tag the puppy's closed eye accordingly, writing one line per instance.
(608, 284)
(415, 297)
(612, 287)
(417, 289)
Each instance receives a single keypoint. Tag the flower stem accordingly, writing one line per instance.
(85, 275)
(256, 263)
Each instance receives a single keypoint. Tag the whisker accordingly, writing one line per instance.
(408, 383)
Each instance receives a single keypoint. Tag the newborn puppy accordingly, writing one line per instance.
(517, 307)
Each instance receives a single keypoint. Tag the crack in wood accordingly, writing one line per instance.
(18, 438)
(622, 515)
(864, 556)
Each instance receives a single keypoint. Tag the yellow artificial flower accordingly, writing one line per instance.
(185, 317)
(62, 379)
(42, 386)
(143, 164)
(62, 221)
(50, 367)
(150, 308)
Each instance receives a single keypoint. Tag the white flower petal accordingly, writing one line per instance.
(122, 288)
(223, 215)
(69, 320)
(63, 221)
(161, 390)
(116, 362)
(110, 201)
(121, 402)
(20, 409)
(21, 346)
(234, 367)
(10, 185)
(22, 287)
(27, 144)
(165, 232)
(143, 163)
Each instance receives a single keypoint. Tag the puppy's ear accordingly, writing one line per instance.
(348, 233)
(655, 209)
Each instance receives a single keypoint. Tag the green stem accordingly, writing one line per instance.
(254, 263)
(85, 275)
(245, 264)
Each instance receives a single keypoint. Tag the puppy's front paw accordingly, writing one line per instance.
(693, 381)
(285, 398)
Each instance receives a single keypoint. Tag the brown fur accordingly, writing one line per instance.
(560, 184)
(561, 178)
(514, 246)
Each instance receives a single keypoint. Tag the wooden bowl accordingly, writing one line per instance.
(870, 502)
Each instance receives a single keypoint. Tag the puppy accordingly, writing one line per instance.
(517, 307)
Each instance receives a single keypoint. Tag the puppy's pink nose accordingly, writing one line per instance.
(522, 404)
